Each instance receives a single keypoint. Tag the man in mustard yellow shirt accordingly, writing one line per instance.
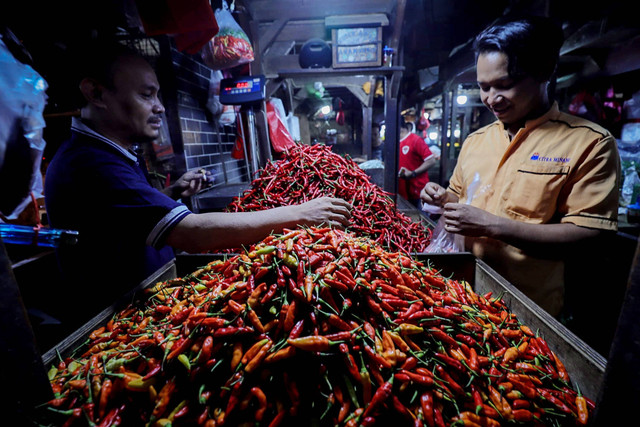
(548, 180)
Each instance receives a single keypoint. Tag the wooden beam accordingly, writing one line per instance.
(394, 41)
(269, 10)
(266, 38)
(301, 31)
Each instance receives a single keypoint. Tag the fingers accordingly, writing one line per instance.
(330, 211)
(433, 194)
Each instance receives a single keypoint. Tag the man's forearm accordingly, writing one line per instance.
(425, 165)
(219, 230)
(540, 237)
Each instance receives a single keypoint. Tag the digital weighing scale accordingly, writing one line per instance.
(248, 92)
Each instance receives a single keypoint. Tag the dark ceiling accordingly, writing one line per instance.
(431, 31)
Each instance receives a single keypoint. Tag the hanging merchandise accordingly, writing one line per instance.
(230, 47)
(22, 101)
(423, 122)
(281, 139)
(337, 106)
(585, 105)
(238, 150)
(192, 24)
(214, 105)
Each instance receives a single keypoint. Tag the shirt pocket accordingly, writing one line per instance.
(534, 191)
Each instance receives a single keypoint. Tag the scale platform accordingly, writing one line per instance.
(218, 198)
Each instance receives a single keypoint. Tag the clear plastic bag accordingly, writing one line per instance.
(630, 186)
(230, 47)
(214, 105)
(22, 101)
(441, 240)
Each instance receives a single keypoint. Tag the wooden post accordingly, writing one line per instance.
(620, 392)
(24, 380)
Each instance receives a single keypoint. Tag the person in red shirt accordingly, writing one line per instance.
(413, 161)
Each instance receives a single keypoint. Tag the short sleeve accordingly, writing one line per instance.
(590, 196)
(139, 209)
(423, 150)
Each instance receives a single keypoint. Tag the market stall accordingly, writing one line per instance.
(203, 341)
(172, 358)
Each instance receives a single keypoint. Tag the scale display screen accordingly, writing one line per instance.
(242, 90)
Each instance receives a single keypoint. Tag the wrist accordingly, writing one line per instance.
(413, 174)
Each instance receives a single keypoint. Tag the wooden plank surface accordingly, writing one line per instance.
(585, 366)
(67, 345)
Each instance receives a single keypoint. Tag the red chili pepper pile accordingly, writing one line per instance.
(315, 327)
(229, 47)
(311, 171)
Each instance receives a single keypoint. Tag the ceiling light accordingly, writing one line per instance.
(461, 99)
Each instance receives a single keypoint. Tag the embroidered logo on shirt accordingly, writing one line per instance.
(537, 157)
(405, 150)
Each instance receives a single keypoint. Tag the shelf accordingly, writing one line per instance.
(320, 72)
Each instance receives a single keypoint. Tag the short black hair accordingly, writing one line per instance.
(100, 60)
(532, 45)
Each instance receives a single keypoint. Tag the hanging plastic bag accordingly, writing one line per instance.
(281, 139)
(22, 101)
(238, 150)
(441, 240)
(213, 100)
(630, 186)
(230, 47)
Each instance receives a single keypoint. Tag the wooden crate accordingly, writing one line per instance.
(585, 366)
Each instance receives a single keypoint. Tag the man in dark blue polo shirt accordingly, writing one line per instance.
(127, 229)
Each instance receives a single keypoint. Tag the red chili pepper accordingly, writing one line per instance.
(376, 358)
(522, 415)
(557, 402)
(259, 357)
(262, 403)
(111, 417)
(562, 371)
(418, 378)
(449, 380)
(426, 403)
(379, 397)
(311, 343)
(450, 361)
(206, 350)
(438, 334)
(337, 322)
(105, 396)
(282, 354)
(583, 411)
(231, 331)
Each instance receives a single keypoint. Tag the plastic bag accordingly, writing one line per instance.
(22, 101)
(441, 240)
(281, 139)
(230, 47)
(213, 100)
(238, 149)
(630, 186)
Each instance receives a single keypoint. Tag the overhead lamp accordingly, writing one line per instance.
(433, 135)
(462, 99)
(325, 110)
